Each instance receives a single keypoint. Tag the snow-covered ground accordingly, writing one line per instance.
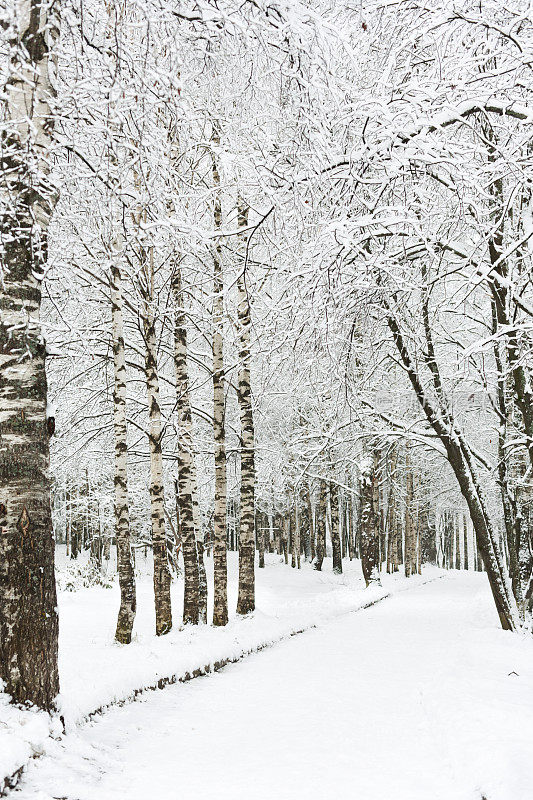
(419, 697)
(95, 672)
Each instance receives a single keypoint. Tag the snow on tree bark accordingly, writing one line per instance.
(163, 608)
(200, 547)
(461, 461)
(312, 534)
(220, 569)
(28, 613)
(246, 593)
(186, 466)
(465, 541)
(320, 524)
(126, 574)
(335, 533)
(369, 520)
(410, 521)
(261, 532)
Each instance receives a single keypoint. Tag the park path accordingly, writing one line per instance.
(420, 697)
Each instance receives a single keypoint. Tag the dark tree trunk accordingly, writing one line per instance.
(335, 534)
(321, 525)
(465, 541)
(261, 533)
(369, 534)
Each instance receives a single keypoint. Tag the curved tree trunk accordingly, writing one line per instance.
(28, 607)
(461, 461)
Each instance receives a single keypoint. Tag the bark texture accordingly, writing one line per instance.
(186, 467)
(163, 609)
(126, 574)
(465, 541)
(393, 522)
(28, 615)
(369, 522)
(321, 525)
(261, 531)
(410, 564)
(246, 595)
(335, 532)
(220, 569)
(461, 460)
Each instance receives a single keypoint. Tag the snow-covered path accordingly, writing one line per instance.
(413, 699)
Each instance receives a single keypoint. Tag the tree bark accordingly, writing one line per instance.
(305, 520)
(261, 532)
(410, 523)
(186, 467)
(335, 535)
(246, 594)
(461, 461)
(312, 533)
(465, 541)
(349, 526)
(321, 525)
(457, 542)
(163, 609)
(220, 569)
(393, 520)
(28, 606)
(200, 548)
(369, 522)
(126, 574)
(297, 546)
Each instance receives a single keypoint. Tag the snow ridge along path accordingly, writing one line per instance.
(420, 697)
(96, 673)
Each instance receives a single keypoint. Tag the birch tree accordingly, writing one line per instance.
(369, 520)
(186, 469)
(163, 607)
(220, 569)
(28, 607)
(126, 575)
(246, 596)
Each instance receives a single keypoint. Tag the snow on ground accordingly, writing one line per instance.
(96, 672)
(419, 697)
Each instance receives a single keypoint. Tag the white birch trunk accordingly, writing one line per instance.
(246, 596)
(163, 610)
(186, 466)
(220, 571)
(126, 574)
(28, 613)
